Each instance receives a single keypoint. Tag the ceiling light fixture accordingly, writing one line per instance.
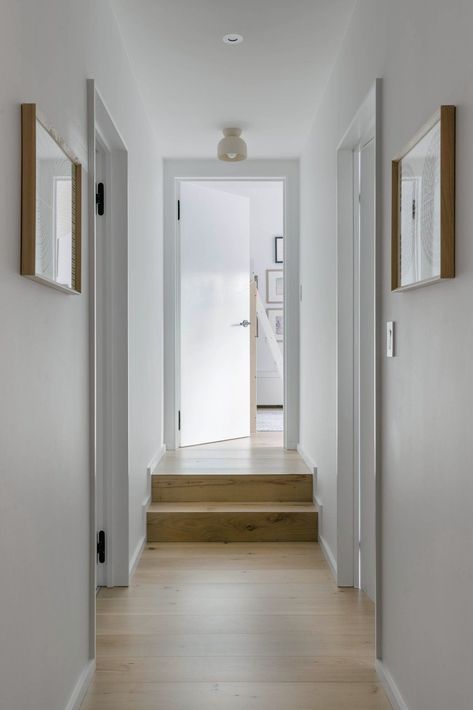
(232, 39)
(232, 147)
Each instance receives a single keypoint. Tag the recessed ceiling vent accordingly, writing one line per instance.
(232, 39)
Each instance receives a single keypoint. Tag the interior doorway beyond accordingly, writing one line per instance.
(231, 309)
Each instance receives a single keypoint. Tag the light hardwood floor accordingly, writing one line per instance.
(260, 453)
(255, 626)
(238, 626)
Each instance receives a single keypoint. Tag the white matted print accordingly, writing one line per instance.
(274, 286)
(420, 210)
(276, 321)
(423, 205)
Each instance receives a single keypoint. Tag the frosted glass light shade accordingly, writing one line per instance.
(232, 147)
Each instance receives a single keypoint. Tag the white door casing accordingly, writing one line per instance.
(108, 283)
(214, 247)
(358, 353)
(100, 364)
(366, 370)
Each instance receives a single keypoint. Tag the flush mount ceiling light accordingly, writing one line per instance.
(232, 148)
(232, 39)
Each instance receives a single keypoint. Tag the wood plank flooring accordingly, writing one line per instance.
(260, 453)
(238, 626)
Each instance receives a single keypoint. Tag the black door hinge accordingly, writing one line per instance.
(100, 199)
(101, 546)
(179, 420)
(178, 210)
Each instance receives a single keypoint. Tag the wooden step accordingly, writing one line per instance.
(232, 522)
(232, 487)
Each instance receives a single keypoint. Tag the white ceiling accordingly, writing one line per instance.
(193, 84)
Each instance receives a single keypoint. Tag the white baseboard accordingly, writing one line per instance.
(328, 554)
(155, 461)
(150, 470)
(81, 687)
(392, 691)
(308, 460)
(292, 446)
(136, 556)
(324, 546)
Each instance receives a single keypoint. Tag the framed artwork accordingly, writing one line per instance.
(423, 205)
(51, 200)
(274, 285)
(279, 250)
(276, 320)
(255, 279)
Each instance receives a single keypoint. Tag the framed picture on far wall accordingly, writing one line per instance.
(276, 321)
(274, 285)
(278, 250)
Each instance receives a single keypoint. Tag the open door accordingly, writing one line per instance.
(214, 314)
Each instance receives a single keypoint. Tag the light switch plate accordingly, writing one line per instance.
(390, 338)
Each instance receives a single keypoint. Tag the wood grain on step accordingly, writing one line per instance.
(266, 523)
(232, 487)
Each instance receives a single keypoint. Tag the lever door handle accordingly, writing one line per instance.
(245, 323)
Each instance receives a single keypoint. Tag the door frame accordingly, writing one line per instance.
(172, 310)
(108, 437)
(365, 126)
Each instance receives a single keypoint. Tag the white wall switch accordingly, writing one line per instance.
(390, 338)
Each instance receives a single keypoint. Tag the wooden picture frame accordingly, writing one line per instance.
(43, 257)
(274, 285)
(423, 205)
(276, 321)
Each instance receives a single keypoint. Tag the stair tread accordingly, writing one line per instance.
(232, 507)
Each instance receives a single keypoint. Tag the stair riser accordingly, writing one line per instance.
(232, 527)
(244, 488)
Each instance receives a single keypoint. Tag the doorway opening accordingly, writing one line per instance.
(108, 280)
(230, 314)
(358, 353)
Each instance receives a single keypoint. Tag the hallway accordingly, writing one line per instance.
(222, 218)
(237, 626)
(257, 626)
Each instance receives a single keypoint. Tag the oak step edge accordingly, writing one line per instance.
(238, 487)
(232, 507)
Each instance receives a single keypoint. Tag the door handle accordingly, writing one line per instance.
(245, 323)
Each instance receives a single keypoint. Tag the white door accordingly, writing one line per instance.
(215, 301)
(366, 323)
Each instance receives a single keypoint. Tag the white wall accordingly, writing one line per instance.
(287, 169)
(47, 51)
(422, 49)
